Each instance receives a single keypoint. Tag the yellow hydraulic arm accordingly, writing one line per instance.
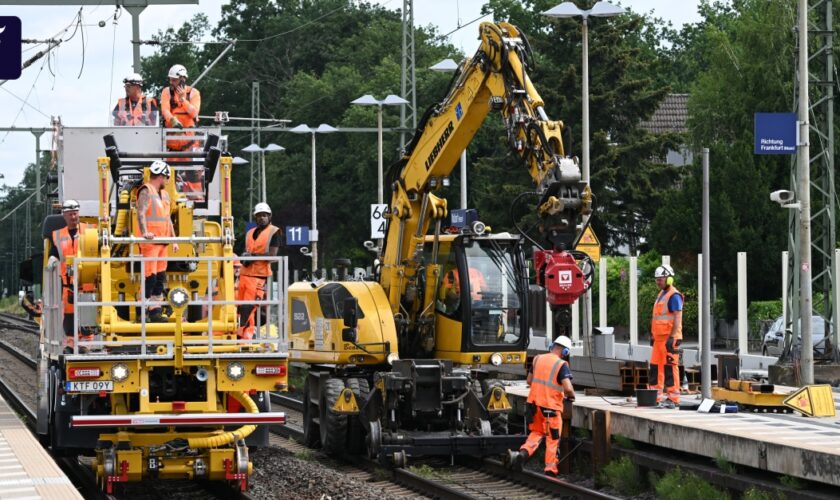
(496, 79)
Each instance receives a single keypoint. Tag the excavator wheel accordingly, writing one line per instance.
(333, 425)
(498, 421)
(311, 431)
(356, 431)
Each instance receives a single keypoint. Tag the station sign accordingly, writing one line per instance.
(10, 48)
(297, 235)
(462, 217)
(590, 245)
(776, 133)
(378, 220)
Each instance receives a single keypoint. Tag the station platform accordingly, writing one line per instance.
(27, 471)
(798, 446)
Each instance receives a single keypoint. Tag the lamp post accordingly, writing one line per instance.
(255, 148)
(369, 100)
(448, 66)
(567, 10)
(313, 232)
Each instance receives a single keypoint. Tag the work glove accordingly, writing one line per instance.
(175, 123)
(672, 345)
(52, 262)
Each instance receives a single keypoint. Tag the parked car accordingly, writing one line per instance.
(774, 339)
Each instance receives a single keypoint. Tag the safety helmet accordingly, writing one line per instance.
(563, 341)
(159, 167)
(663, 271)
(69, 206)
(177, 71)
(262, 208)
(133, 79)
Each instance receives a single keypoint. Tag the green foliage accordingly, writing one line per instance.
(622, 476)
(623, 441)
(427, 471)
(760, 311)
(679, 485)
(757, 494)
(724, 464)
(792, 482)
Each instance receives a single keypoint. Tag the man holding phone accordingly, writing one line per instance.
(179, 106)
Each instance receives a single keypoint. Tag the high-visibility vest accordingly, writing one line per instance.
(143, 112)
(157, 213)
(67, 246)
(662, 321)
(545, 391)
(477, 282)
(258, 246)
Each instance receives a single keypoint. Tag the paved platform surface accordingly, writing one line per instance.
(26, 470)
(808, 448)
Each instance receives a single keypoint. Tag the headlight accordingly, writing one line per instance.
(392, 357)
(235, 370)
(496, 359)
(119, 372)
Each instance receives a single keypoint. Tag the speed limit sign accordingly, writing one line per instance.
(378, 213)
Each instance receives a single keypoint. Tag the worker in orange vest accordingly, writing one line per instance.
(262, 240)
(65, 246)
(154, 221)
(550, 379)
(135, 109)
(180, 105)
(666, 333)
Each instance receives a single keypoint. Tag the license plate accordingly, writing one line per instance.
(89, 386)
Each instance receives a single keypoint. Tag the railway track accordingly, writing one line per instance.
(435, 478)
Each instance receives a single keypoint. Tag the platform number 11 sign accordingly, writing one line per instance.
(378, 219)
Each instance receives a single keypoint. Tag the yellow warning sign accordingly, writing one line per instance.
(812, 400)
(590, 245)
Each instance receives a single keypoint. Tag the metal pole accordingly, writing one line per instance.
(743, 324)
(805, 306)
(464, 179)
(705, 296)
(262, 177)
(585, 103)
(314, 215)
(380, 187)
(633, 278)
(37, 165)
(602, 292)
(135, 34)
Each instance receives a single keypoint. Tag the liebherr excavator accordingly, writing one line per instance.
(395, 365)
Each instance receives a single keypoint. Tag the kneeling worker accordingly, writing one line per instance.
(550, 379)
(262, 240)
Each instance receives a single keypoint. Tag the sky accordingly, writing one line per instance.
(82, 81)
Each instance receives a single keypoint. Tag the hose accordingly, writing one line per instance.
(233, 436)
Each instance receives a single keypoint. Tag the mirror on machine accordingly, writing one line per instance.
(351, 319)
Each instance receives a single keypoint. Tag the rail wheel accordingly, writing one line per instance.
(356, 431)
(498, 421)
(333, 425)
(311, 431)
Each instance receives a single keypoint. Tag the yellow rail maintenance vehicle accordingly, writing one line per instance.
(398, 366)
(182, 397)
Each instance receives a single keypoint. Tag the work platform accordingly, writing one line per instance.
(26, 469)
(807, 448)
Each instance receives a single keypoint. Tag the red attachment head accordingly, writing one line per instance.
(561, 276)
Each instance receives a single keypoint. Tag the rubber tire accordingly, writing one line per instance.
(311, 431)
(498, 421)
(356, 435)
(333, 425)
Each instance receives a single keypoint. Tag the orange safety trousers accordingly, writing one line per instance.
(251, 288)
(664, 372)
(153, 266)
(547, 427)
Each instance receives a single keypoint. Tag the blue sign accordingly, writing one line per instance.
(775, 133)
(459, 112)
(10, 48)
(461, 217)
(297, 235)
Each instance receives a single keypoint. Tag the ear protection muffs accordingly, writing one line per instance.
(669, 280)
(565, 352)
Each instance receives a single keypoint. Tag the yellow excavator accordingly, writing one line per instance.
(395, 365)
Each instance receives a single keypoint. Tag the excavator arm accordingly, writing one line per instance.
(494, 79)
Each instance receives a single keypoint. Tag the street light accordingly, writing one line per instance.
(255, 148)
(313, 232)
(369, 100)
(568, 10)
(238, 160)
(448, 66)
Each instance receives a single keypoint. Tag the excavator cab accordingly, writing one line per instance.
(481, 303)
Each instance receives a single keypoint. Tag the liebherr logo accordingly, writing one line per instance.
(10, 45)
(439, 145)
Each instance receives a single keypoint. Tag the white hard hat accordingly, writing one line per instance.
(133, 79)
(69, 206)
(663, 271)
(159, 167)
(177, 71)
(262, 208)
(563, 341)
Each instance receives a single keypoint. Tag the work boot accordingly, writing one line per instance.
(156, 316)
(551, 472)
